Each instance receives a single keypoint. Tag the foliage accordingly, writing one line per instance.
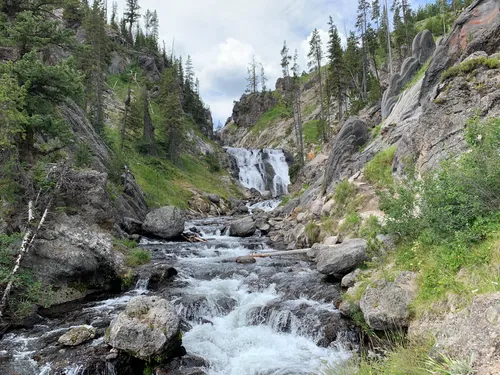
(313, 232)
(344, 196)
(137, 257)
(446, 365)
(312, 131)
(83, 155)
(273, 115)
(379, 170)
(351, 223)
(470, 65)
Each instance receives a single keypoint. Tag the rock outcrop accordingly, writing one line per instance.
(352, 136)
(250, 107)
(338, 260)
(243, 227)
(165, 222)
(385, 305)
(422, 49)
(148, 329)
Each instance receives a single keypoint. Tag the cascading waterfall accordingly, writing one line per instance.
(262, 169)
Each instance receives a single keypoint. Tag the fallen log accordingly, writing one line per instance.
(280, 253)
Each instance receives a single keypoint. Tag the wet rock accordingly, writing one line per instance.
(160, 276)
(246, 260)
(166, 222)
(214, 198)
(385, 304)
(339, 259)
(266, 195)
(77, 336)
(131, 225)
(148, 327)
(243, 227)
(352, 136)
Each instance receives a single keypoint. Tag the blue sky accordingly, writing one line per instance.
(222, 36)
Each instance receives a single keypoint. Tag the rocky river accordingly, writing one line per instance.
(276, 316)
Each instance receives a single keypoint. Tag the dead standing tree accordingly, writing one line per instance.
(56, 173)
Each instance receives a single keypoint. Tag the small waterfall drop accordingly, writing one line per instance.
(262, 169)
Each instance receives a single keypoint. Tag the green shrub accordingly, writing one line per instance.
(344, 191)
(470, 65)
(313, 232)
(376, 131)
(379, 170)
(351, 224)
(138, 257)
(83, 156)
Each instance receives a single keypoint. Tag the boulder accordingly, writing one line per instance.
(266, 195)
(352, 136)
(77, 336)
(243, 227)
(245, 260)
(349, 280)
(338, 260)
(148, 328)
(214, 198)
(131, 225)
(332, 240)
(165, 222)
(385, 304)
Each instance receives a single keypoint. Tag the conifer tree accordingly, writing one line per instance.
(335, 77)
(263, 79)
(114, 15)
(315, 57)
(253, 77)
(131, 16)
(297, 110)
(285, 60)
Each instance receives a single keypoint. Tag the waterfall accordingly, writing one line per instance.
(262, 169)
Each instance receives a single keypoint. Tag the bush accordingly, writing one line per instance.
(313, 232)
(137, 257)
(379, 170)
(470, 65)
(83, 156)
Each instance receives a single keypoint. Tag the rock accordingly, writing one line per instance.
(291, 205)
(388, 242)
(149, 327)
(242, 228)
(472, 332)
(165, 222)
(352, 135)
(267, 195)
(214, 198)
(250, 107)
(262, 225)
(422, 49)
(148, 64)
(332, 240)
(350, 279)
(316, 207)
(131, 226)
(338, 260)
(245, 260)
(118, 64)
(385, 304)
(161, 275)
(327, 208)
(77, 336)
(475, 55)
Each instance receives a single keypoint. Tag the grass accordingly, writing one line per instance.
(470, 65)
(418, 76)
(313, 232)
(138, 257)
(376, 131)
(278, 112)
(311, 130)
(379, 170)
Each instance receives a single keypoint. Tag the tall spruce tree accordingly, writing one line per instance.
(285, 60)
(335, 77)
(315, 57)
(263, 79)
(131, 16)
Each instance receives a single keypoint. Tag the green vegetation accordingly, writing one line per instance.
(313, 232)
(470, 65)
(376, 131)
(134, 256)
(345, 197)
(138, 257)
(379, 170)
(278, 112)
(312, 132)
(418, 76)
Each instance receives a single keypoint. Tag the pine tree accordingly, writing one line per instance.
(253, 77)
(114, 15)
(172, 119)
(335, 77)
(297, 108)
(315, 57)
(189, 71)
(263, 79)
(362, 25)
(353, 66)
(285, 60)
(131, 16)
(149, 129)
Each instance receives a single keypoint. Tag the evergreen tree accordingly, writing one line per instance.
(131, 16)
(172, 118)
(114, 15)
(335, 77)
(95, 61)
(189, 72)
(362, 25)
(263, 79)
(315, 57)
(253, 77)
(297, 108)
(353, 66)
(285, 60)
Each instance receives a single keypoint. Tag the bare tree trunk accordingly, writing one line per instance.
(149, 129)
(124, 124)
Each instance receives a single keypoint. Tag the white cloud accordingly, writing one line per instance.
(222, 35)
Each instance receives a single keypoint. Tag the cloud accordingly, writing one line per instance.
(222, 36)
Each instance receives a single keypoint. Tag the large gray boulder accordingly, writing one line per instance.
(385, 304)
(165, 222)
(148, 328)
(352, 136)
(243, 227)
(422, 49)
(338, 260)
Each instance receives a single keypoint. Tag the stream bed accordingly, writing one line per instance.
(274, 317)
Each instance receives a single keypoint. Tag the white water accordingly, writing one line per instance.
(253, 173)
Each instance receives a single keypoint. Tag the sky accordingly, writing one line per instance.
(222, 36)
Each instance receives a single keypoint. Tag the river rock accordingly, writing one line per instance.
(338, 260)
(246, 260)
(165, 222)
(385, 304)
(77, 336)
(242, 228)
(148, 327)
(266, 195)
